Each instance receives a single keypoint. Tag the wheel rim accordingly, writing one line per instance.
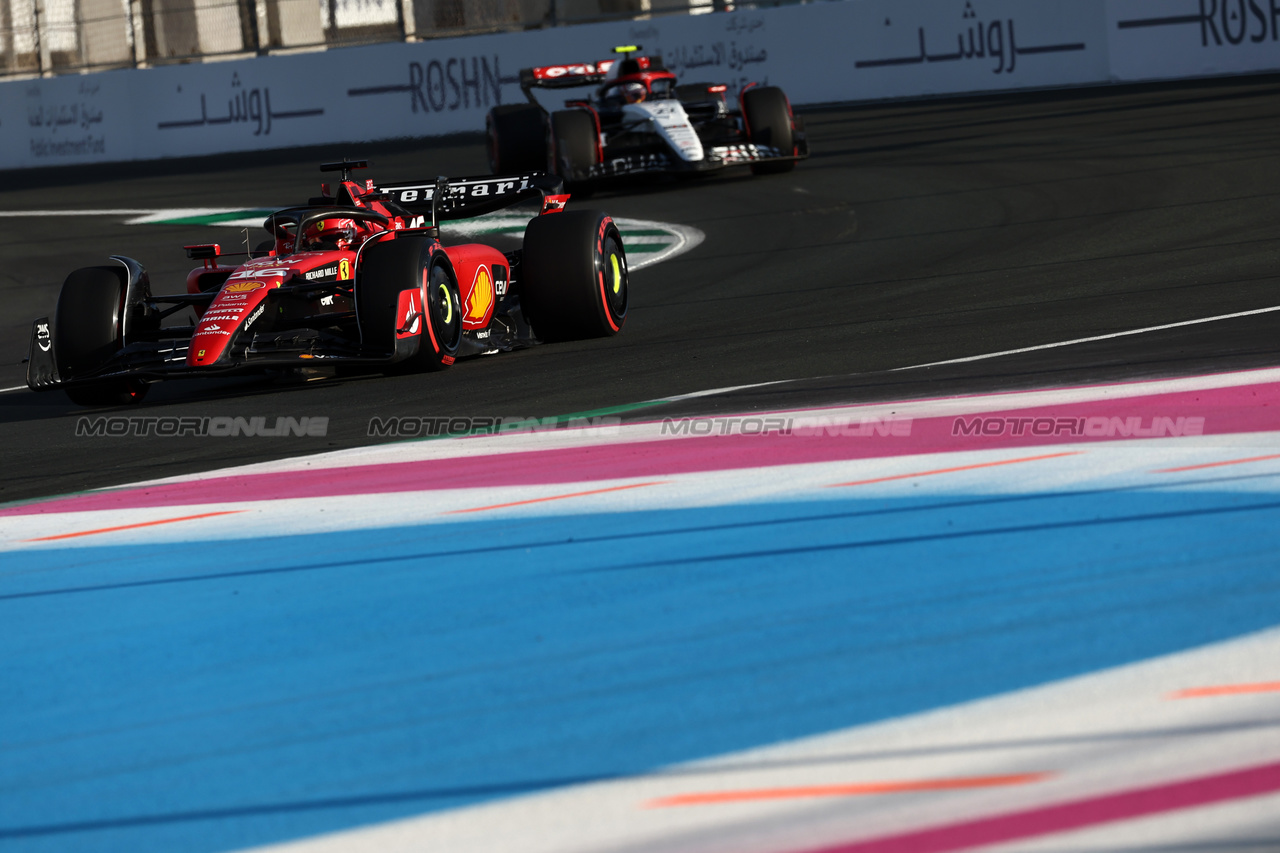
(612, 270)
(445, 307)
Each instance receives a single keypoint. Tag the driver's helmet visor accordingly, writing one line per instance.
(633, 92)
(336, 233)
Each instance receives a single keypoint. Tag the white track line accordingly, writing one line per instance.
(1091, 339)
(693, 241)
(688, 239)
(711, 392)
(111, 212)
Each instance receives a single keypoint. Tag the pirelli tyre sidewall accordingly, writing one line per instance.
(516, 138)
(442, 329)
(87, 331)
(574, 280)
(768, 117)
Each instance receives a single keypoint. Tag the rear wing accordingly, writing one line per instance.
(460, 198)
(564, 76)
(586, 73)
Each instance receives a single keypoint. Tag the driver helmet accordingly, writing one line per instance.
(633, 92)
(330, 233)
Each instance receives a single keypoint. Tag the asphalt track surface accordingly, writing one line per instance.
(917, 233)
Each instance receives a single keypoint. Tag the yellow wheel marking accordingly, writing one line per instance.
(448, 305)
(617, 273)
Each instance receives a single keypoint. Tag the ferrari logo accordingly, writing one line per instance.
(344, 269)
(481, 298)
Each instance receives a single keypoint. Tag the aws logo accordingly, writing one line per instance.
(481, 298)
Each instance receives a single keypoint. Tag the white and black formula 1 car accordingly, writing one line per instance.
(641, 121)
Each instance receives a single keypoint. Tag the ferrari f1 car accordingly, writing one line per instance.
(357, 278)
(641, 121)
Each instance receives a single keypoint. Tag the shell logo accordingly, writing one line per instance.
(242, 287)
(481, 298)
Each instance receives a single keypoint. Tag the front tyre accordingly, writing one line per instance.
(768, 117)
(88, 331)
(442, 322)
(408, 305)
(574, 282)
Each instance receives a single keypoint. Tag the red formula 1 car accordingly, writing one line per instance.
(359, 278)
(640, 121)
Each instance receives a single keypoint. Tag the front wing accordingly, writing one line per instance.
(659, 159)
(166, 358)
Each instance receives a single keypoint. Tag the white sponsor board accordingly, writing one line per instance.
(1191, 38)
(840, 51)
(892, 49)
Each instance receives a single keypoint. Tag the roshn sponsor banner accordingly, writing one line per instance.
(890, 49)
(1160, 39)
(821, 52)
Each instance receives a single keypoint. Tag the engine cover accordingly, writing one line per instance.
(670, 122)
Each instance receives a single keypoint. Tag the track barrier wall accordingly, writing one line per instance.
(853, 50)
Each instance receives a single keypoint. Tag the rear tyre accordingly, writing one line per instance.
(768, 117)
(87, 332)
(574, 141)
(574, 281)
(405, 265)
(517, 138)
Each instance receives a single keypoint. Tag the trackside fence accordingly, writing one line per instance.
(847, 50)
(44, 37)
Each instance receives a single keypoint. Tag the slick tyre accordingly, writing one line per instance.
(516, 136)
(768, 118)
(442, 330)
(574, 142)
(574, 280)
(87, 331)
(402, 276)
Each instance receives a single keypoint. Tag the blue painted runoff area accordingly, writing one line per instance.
(213, 695)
